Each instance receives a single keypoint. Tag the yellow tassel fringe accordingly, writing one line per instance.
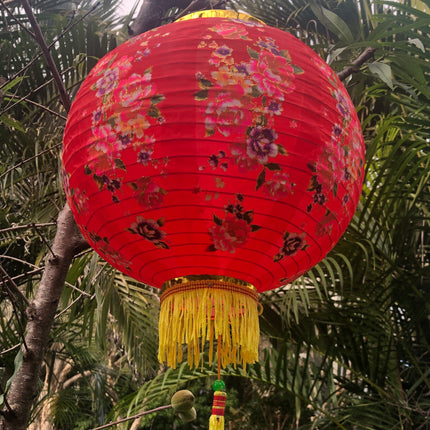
(196, 311)
(216, 422)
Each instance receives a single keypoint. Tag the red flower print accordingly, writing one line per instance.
(232, 233)
(114, 256)
(148, 193)
(326, 224)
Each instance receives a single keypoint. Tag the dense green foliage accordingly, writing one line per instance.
(346, 346)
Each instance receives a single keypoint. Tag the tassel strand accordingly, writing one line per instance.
(197, 311)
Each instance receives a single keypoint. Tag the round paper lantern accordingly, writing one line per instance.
(214, 158)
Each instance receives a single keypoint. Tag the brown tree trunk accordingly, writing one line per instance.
(23, 390)
(56, 379)
(53, 383)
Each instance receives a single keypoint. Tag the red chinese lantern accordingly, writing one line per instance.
(214, 158)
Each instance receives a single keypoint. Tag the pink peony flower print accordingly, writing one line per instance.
(133, 91)
(273, 75)
(148, 193)
(260, 144)
(331, 165)
(230, 30)
(107, 82)
(342, 104)
(105, 138)
(232, 233)
(221, 55)
(227, 115)
(278, 187)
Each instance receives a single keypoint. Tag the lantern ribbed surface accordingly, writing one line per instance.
(213, 146)
(219, 148)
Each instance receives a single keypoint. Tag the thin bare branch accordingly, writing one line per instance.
(356, 64)
(40, 54)
(74, 301)
(30, 159)
(30, 272)
(65, 99)
(17, 21)
(44, 241)
(13, 294)
(27, 227)
(16, 291)
(141, 414)
(32, 102)
(40, 269)
(10, 349)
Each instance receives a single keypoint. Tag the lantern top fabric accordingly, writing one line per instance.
(215, 147)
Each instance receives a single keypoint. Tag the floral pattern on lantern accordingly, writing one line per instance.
(231, 232)
(225, 147)
(243, 96)
(120, 121)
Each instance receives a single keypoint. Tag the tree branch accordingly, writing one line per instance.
(77, 377)
(141, 414)
(68, 241)
(47, 53)
(355, 65)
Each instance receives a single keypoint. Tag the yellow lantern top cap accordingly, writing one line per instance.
(220, 13)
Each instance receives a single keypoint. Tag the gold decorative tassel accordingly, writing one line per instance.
(197, 309)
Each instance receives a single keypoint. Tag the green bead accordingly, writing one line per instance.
(218, 385)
